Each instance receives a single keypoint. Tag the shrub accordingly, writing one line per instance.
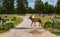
(43, 15)
(57, 25)
(5, 16)
(10, 25)
(57, 33)
(7, 19)
(13, 19)
(4, 27)
(47, 24)
(0, 27)
(7, 26)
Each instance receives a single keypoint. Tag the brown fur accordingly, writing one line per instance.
(34, 20)
(3, 21)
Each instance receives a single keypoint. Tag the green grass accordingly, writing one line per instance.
(45, 18)
(56, 33)
(11, 18)
(18, 20)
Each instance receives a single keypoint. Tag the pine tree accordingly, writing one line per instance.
(8, 6)
(58, 6)
(1, 6)
(22, 6)
(39, 6)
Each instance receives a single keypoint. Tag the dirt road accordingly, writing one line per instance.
(25, 30)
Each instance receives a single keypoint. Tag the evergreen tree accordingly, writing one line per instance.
(50, 9)
(22, 6)
(46, 7)
(29, 10)
(58, 6)
(8, 6)
(1, 6)
(39, 6)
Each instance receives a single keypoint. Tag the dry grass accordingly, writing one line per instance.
(45, 18)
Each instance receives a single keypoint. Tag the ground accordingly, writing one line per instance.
(25, 30)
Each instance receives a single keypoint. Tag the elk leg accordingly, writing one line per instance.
(34, 23)
(31, 23)
(39, 24)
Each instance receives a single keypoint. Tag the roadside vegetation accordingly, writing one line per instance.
(46, 10)
(47, 22)
(11, 22)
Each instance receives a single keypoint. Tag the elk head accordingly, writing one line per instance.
(30, 17)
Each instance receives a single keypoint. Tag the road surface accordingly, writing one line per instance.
(25, 30)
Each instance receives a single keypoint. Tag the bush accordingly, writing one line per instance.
(43, 16)
(7, 19)
(4, 27)
(48, 24)
(5, 16)
(14, 18)
(10, 25)
(57, 25)
(57, 33)
(7, 26)
(0, 27)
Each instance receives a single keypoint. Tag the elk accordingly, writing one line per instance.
(2, 21)
(34, 20)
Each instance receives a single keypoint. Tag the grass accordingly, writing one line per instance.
(56, 32)
(45, 18)
(18, 21)
(11, 18)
